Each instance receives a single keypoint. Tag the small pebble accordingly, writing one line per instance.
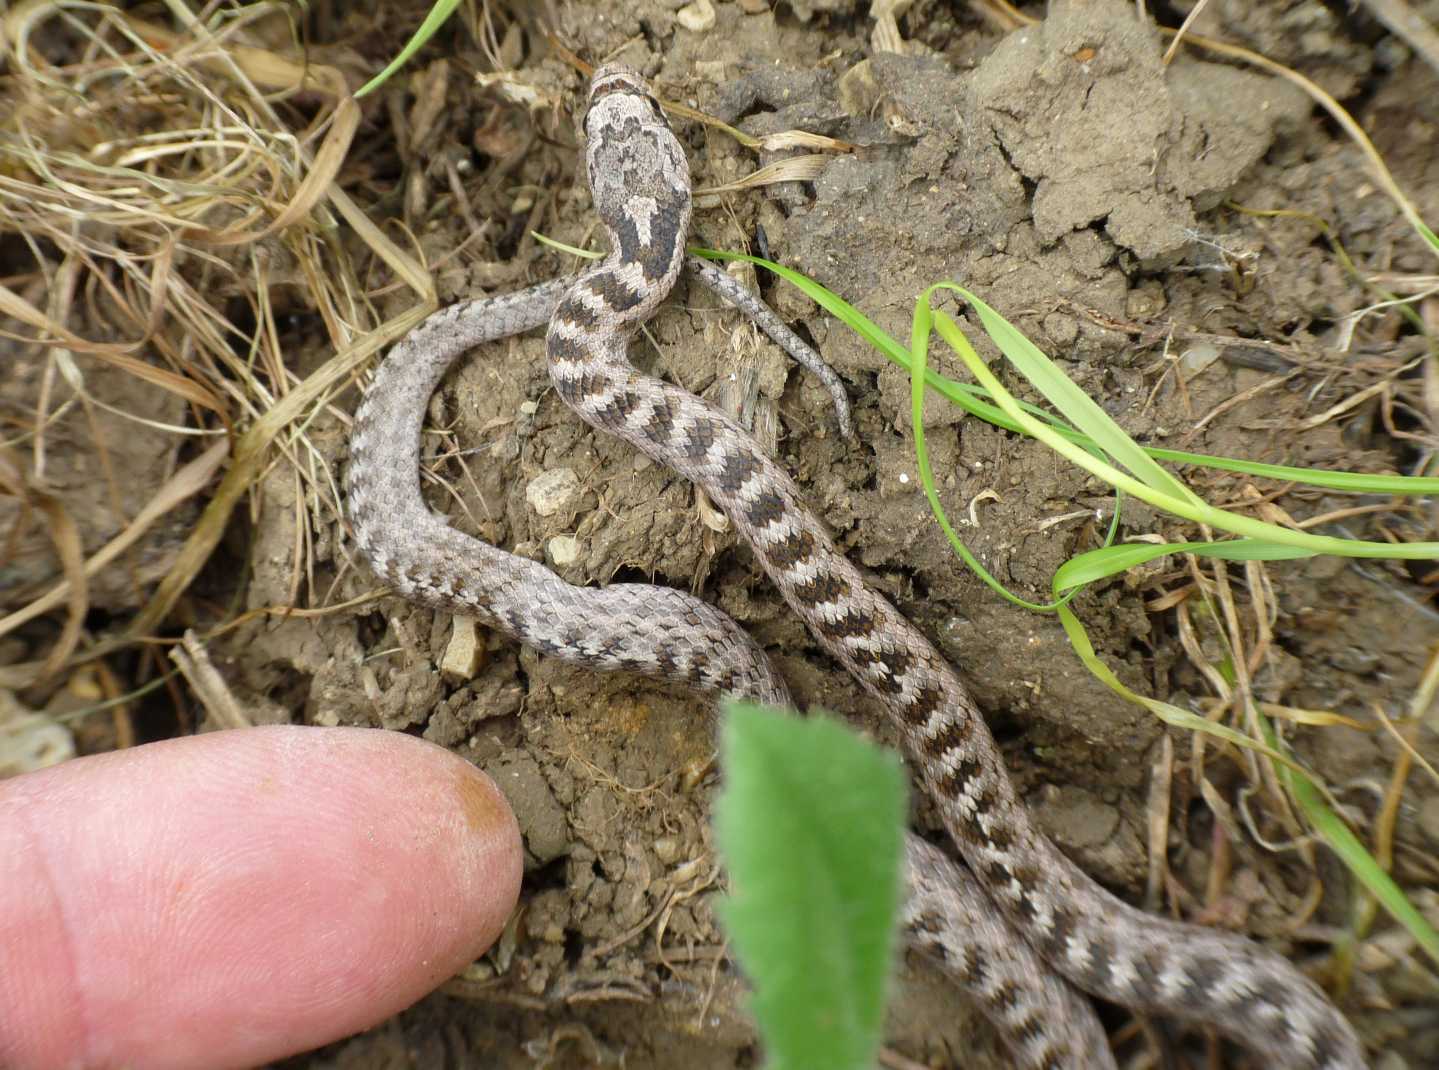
(563, 550)
(461, 659)
(1198, 357)
(551, 491)
(697, 17)
(687, 871)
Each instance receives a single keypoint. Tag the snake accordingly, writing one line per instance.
(1070, 925)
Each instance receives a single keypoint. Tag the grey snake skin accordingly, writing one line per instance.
(640, 182)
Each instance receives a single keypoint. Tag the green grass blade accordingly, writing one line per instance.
(1074, 405)
(1305, 793)
(1109, 561)
(1351, 482)
(810, 823)
(441, 11)
(1165, 711)
(1185, 505)
(919, 357)
(1429, 236)
(1352, 852)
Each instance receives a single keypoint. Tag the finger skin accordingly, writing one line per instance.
(225, 899)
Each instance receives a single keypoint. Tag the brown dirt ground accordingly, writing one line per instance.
(1076, 184)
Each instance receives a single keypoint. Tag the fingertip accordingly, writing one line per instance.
(492, 846)
(231, 898)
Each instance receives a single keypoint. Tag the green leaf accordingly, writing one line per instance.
(810, 824)
(439, 12)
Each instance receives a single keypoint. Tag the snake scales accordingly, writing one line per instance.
(640, 182)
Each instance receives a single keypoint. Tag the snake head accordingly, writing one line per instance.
(639, 176)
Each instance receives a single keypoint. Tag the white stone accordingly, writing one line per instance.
(696, 17)
(551, 491)
(461, 659)
(563, 550)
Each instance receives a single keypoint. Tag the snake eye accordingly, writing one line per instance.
(658, 107)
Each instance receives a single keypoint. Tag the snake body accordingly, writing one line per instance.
(640, 182)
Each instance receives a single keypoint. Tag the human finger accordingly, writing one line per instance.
(229, 898)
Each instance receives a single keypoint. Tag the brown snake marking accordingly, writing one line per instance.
(640, 182)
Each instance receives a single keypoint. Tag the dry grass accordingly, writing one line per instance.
(159, 182)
